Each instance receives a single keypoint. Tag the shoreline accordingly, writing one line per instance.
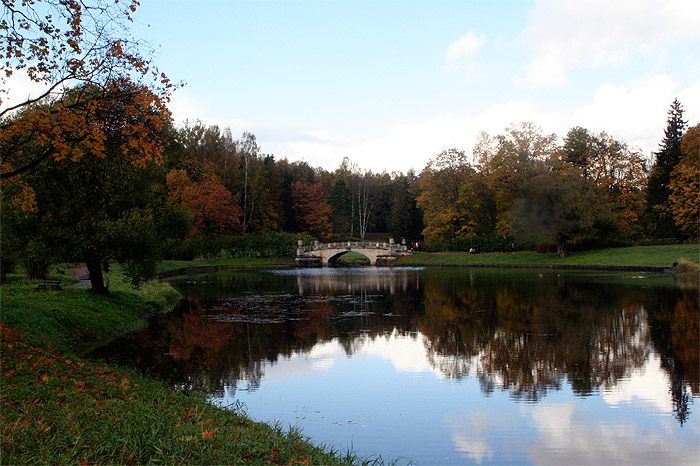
(610, 268)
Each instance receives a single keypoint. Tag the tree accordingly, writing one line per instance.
(660, 223)
(291, 173)
(88, 205)
(618, 170)
(367, 190)
(405, 219)
(70, 48)
(684, 186)
(208, 201)
(312, 209)
(210, 204)
(447, 198)
(340, 201)
(249, 150)
(557, 206)
(577, 148)
(507, 162)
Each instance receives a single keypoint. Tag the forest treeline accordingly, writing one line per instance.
(95, 170)
(210, 193)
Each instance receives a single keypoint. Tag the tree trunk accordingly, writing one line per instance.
(561, 246)
(94, 266)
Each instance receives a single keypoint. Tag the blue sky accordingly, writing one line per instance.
(390, 84)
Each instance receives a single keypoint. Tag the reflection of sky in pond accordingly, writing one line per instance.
(444, 365)
(388, 399)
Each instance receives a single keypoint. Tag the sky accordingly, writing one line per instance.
(390, 84)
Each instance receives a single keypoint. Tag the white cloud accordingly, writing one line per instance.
(319, 134)
(634, 112)
(467, 46)
(567, 34)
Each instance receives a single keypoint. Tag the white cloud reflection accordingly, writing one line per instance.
(648, 385)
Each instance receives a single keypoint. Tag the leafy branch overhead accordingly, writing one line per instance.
(79, 56)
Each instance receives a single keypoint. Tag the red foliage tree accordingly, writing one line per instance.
(311, 209)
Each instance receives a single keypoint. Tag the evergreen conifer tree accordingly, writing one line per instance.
(660, 224)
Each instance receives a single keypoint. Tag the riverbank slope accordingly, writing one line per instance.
(58, 407)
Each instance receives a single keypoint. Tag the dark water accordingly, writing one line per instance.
(444, 366)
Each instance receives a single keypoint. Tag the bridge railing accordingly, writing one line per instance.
(351, 245)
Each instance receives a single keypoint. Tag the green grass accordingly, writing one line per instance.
(637, 256)
(168, 265)
(74, 320)
(57, 407)
(353, 258)
(63, 410)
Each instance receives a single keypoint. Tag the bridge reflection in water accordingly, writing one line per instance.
(319, 254)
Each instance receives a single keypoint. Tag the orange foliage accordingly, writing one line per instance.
(214, 215)
(312, 209)
(90, 75)
(684, 199)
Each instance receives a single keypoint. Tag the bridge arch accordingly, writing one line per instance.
(332, 260)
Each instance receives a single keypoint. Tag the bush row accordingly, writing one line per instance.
(265, 245)
(500, 244)
(482, 244)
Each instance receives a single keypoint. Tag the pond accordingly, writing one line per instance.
(443, 365)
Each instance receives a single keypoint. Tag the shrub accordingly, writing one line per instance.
(37, 259)
(265, 245)
(482, 243)
(688, 268)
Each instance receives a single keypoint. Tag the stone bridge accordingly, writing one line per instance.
(323, 254)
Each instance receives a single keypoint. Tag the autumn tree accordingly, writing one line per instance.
(557, 205)
(312, 209)
(660, 223)
(67, 48)
(291, 173)
(208, 148)
(618, 170)
(447, 198)
(91, 207)
(684, 186)
(506, 162)
(208, 201)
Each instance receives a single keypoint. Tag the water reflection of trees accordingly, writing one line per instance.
(528, 339)
(675, 324)
(516, 331)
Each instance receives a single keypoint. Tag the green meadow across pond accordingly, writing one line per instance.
(443, 365)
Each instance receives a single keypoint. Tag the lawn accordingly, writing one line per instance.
(637, 256)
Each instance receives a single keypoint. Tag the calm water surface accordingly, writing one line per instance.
(444, 366)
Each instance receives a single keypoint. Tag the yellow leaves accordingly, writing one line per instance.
(22, 196)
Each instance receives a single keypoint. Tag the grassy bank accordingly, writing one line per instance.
(74, 320)
(60, 408)
(637, 256)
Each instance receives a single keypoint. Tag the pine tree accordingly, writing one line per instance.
(659, 223)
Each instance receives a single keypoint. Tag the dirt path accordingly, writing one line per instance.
(82, 274)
